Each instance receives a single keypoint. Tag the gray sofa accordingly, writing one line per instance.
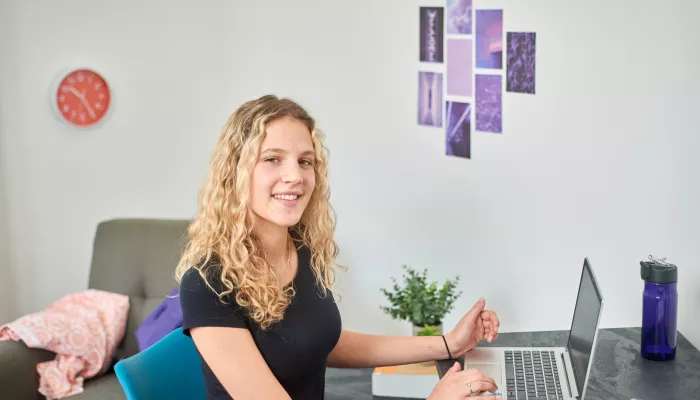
(136, 257)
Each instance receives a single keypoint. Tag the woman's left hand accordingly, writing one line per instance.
(476, 325)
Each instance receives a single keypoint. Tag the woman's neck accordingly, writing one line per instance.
(274, 239)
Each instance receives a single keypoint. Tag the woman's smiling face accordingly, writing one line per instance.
(283, 177)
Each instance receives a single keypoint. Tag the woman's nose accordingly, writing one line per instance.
(292, 174)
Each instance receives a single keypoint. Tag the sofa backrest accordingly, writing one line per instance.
(137, 257)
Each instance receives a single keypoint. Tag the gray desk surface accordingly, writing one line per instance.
(619, 371)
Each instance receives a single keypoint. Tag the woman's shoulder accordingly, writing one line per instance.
(204, 276)
(200, 289)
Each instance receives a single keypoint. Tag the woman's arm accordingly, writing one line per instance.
(220, 332)
(360, 350)
(235, 360)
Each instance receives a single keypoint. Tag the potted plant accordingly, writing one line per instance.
(424, 304)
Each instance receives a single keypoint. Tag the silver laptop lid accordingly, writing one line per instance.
(581, 343)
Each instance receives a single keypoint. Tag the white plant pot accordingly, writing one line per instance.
(417, 329)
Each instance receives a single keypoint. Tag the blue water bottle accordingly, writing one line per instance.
(659, 309)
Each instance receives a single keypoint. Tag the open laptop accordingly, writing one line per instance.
(546, 373)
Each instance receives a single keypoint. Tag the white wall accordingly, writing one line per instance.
(599, 163)
(172, 94)
(7, 298)
(6, 294)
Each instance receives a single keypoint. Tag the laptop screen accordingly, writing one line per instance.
(583, 327)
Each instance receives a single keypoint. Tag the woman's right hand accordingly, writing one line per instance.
(458, 384)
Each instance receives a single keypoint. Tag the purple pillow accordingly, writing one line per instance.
(164, 319)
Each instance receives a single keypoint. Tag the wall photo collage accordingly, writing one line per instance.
(465, 93)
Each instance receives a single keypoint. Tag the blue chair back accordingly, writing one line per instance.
(169, 369)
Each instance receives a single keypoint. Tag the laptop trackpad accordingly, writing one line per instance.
(490, 370)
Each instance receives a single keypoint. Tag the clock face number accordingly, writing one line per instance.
(83, 97)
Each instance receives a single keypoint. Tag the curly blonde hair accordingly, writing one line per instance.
(222, 228)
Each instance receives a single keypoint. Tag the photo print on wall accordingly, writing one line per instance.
(488, 100)
(489, 39)
(520, 77)
(458, 129)
(459, 17)
(459, 67)
(430, 98)
(432, 27)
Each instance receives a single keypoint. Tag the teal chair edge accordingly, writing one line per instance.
(169, 368)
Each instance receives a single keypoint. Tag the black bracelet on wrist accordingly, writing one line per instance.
(447, 347)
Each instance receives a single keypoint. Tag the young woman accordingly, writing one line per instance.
(257, 275)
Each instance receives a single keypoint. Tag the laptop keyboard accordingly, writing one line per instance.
(532, 375)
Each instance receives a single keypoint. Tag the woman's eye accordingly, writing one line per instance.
(272, 159)
(306, 162)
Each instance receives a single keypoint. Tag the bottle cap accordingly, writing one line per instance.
(658, 271)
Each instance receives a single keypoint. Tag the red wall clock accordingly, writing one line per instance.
(81, 98)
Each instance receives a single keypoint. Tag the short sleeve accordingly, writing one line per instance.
(201, 306)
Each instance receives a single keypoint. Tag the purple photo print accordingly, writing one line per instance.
(459, 67)
(432, 24)
(489, 39)
(458, 129)
(459, 17)
(489, 105)
(520, 64)
(430, 98)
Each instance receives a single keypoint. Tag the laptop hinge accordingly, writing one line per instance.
(569, 372)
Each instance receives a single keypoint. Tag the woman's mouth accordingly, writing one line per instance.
(287, 199)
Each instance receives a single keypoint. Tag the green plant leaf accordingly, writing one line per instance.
(419, 301)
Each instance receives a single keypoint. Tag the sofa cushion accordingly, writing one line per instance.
(106, 387)
(137, 257)
(18, 376)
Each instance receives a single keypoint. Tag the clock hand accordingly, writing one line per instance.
(81, 96)
(90, 110)
(74, 91)
(87, 105)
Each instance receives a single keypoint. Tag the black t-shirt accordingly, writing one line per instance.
(296, 349)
